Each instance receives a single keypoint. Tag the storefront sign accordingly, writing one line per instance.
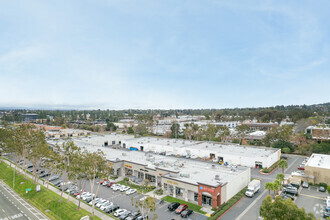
(174, 183)
(129, 166)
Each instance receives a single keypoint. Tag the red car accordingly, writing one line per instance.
(301, 167)
(103, 182)
(181, 208)
(110, 184)
(77, 193)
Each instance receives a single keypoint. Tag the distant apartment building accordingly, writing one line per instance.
(255, 126)
(319, 132)
(27, 118)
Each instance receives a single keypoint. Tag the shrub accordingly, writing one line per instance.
(159, 192)
(324, 185)
(328, 189)
(286, 150)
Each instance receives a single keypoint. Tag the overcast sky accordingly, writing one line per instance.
(164, 54)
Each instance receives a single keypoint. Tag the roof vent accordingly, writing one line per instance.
(217, 177)
(213, 166)
(206, 146)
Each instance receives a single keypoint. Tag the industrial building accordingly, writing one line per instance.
(317, 168)
(196, 181)
(224, 153)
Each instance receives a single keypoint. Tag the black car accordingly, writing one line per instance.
(287, 196)
(133, 216)
(296, 185)
(186, 213)
(322, 189)
(173, 206)
(284, 157)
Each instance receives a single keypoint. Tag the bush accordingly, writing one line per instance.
(235, 141)
(324, 185)
(270, 169)
(321, 148)
(328, 189)
(159, 192)
(286, 150)
(283, 144)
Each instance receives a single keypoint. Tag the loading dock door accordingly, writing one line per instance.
(106, 143)
(141, 148)
(258, 164)
(212, 156)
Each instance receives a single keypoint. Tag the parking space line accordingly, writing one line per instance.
(315, 197)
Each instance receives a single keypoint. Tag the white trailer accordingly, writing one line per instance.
(253, 188)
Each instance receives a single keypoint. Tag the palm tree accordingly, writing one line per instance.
(269, 186)
(277, 186)
(280, 178)
(283, 164)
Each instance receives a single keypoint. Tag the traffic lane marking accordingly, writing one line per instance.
(315, 197)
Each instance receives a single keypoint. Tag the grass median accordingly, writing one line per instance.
(140, 189)
(43, 200)
(194, 207)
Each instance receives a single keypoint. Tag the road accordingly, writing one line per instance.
(248, 208)
(14, 207)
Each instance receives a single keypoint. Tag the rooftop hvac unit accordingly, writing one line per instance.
(168, 143)
(206, 146)
(213, 166)
(187, 175)
(217, 177)
(123, 154)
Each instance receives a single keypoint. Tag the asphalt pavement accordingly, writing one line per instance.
(12, 206)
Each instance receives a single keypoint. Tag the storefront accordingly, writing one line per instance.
(209, 195)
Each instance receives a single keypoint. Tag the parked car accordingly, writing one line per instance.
(140, 217)
(285, 195)
(326, 213)
(284, 157)
(322, 189)
(98, 205)
(112, 208)
(296, 185)
(301, 167)
(106, 204)
(119, 212)
(181, 208)
(305, 184)
(133, 216)
(173, 206)
(291, 191)
(186, 213)
(97, 200)
(131, 191)
(54, 177)
(110, 184)
(124, 188)
(103, 181)
(124, 215)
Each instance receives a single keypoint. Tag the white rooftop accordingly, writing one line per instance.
(319, 160)
(190, 171)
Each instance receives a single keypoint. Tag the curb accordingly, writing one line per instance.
(230, 208)
(268, 173)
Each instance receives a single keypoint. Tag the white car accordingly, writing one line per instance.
(85, 196)
(106, 204)
(81, 195)
(97, 200)
(98, 205)
(115, 186)
(130, 191)
(124, 188)
(119, 212)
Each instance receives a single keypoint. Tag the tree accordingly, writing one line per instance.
(96, 166)
(269, 186)
(141, 129)
(242, 130)
(211, 132)
(283, 164)
(282, 209)
(175, 128)
(146, 206)
(224, 133)
(64, 159)
(111, 127)
(276, 187)
(130, 130)
(282, 144)
(280, 177)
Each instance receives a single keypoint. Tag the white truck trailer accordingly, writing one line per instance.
(253, 188)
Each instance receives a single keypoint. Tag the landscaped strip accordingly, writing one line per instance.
(270, 170)
(226, 206)
(43, 200)
(194, 207)
(140, 189)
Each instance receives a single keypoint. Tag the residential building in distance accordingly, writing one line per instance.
(320, 132)
(255, 126)
(28, 118)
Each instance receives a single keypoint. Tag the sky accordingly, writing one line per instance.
(163, 54)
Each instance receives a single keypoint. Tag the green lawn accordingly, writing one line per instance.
(139, 188)
(225, 206)
(43, 200)
(194, 207)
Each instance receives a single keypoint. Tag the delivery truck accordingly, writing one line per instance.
(253, 188)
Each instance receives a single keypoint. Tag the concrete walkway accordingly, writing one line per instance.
(74, 200)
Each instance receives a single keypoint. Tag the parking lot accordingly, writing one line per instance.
(312, 200)
(125, 202)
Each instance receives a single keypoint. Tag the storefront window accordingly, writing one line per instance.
(128, 172)
(165, 186)
(196, 197)
(150, 178)
(178, 191)
(207, 200)
(140, 175)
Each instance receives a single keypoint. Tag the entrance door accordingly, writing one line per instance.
(106, 143)
(141, 148)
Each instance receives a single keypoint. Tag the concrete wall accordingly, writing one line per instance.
(321, 175)
(237, 184)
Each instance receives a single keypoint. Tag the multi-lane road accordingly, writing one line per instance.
(12, 206)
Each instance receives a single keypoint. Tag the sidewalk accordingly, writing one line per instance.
(74, 200)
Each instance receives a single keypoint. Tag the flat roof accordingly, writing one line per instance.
(319, 160)
(188, 170)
